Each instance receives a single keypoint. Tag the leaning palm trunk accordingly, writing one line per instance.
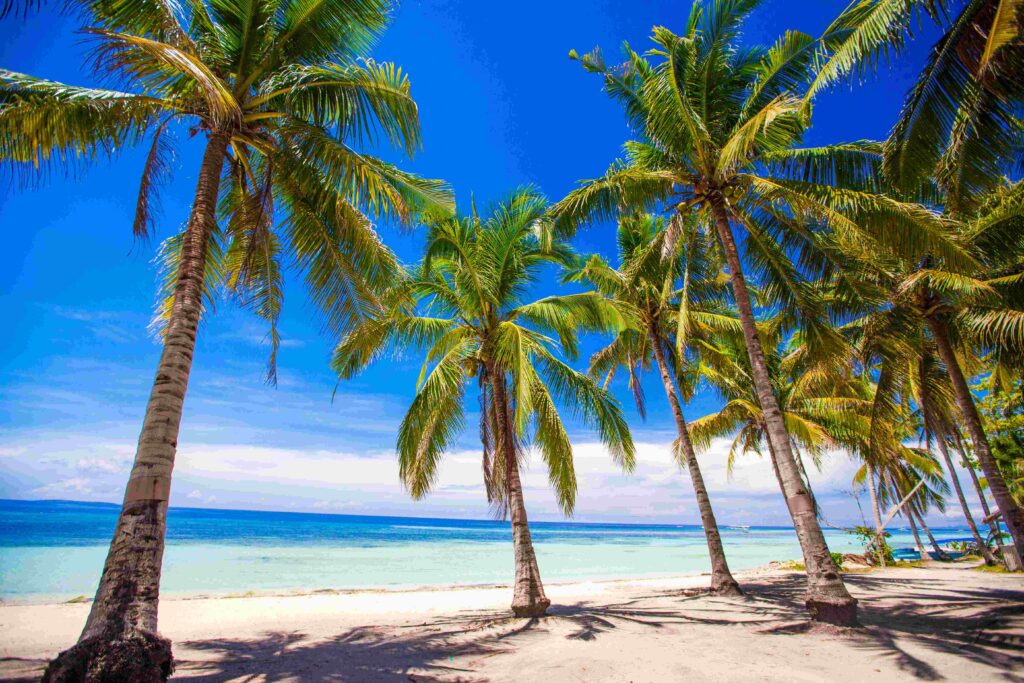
(913, 529)
(939, 552)
(827, 598)
(879, 527)
(982, 546)
(1012, 514)
(528, 598)
(722, 581)
(120, 640)
(773, 459)
(993, 524)
(806, 478)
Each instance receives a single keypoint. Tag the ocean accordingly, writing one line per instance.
(54, 550)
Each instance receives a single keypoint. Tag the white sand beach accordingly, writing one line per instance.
(939, 622)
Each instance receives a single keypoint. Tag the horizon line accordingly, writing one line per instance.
(430, 519)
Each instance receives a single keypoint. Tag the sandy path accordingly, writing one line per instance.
(936, 623)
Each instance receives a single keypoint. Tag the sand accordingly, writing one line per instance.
(939, 622)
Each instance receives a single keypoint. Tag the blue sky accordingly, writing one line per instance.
(501, 106)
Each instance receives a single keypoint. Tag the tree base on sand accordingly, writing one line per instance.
(835, 612)
(532, 609)
(727, 589)
(136, 657)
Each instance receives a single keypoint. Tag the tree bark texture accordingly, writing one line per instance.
(722, 581)
(879, 530)
(982, 546)
(528, 598)
(913, 529)
(940, 553)
(986, 511)
(120, 636)
(1013, 516)
(827, 599)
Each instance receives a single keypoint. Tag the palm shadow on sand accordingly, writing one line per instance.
(970, 624)
(906, 619)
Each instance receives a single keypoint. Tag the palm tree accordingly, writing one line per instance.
(943, 313)
(938, 424)
(464, 305)
(716, 126)
(908, 388)
(822, 408)
(891, 470)
(279, 93)
(646, 285)
(914, 478)
(960, 127)
(981, 309)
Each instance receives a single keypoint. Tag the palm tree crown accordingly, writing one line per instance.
(465, 305)
(281, 86)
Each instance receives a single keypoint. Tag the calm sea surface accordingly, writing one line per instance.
(55, 550)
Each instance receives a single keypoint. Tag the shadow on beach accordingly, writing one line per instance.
(909, 622)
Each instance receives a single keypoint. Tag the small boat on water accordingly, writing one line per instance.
(944, 544)
(911, 554)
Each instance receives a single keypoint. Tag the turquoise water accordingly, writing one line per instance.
(55, 550)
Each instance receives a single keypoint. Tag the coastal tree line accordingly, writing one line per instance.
(840, 296)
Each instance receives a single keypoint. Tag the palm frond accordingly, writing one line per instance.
(43, 122)
(433, 420)
(155, 174)
(361, 99)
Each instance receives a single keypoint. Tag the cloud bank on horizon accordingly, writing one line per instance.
(248, 476)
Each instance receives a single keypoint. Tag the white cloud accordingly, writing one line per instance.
(98, 465)
(75, 485)
(114, 326)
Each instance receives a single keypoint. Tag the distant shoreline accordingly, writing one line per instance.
(167, 596)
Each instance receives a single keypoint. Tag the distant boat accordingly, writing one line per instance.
(739, 527)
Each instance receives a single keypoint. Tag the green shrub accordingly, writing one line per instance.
(866, 535)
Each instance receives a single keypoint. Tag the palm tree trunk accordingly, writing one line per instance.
(982, 546)
(806, 478)
(722, 581)
(827, 598)
(986, 511)
(120, 641)
(1013, 516)
(880, 531)
(774, 460)
(528, 598)
(931, 539)
(913, 529)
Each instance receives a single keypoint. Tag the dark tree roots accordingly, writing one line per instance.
(136, 657)
(837, 613)
(727, 589)
(531, 610)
